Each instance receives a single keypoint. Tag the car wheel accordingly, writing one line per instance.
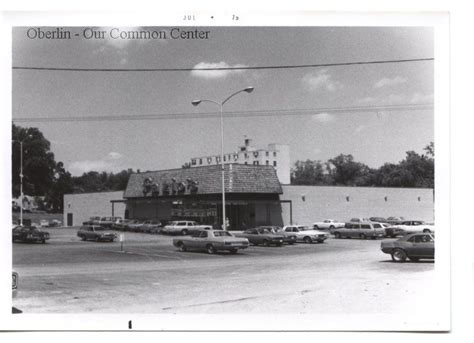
(210, 249)
(426, 231)
(184, 232)
(233, 251)
(362, 236)
(43, 241)
(97, 239)
(315, 227)
(393, 236)
(414, 259)
(399, 255)
(331, 227)
(83, 238)
(182, 247)
(265, 243)
(279, 244)
(321, 241)
(337, 234)
(307, 240)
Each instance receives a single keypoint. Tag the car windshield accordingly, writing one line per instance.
(221, 234)
(264, 231)
(99, 228)
(303, 228)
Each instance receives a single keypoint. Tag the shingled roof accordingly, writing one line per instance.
(239, 178)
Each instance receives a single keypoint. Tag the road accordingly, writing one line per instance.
(340, 276)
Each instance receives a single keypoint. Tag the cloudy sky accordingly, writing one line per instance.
(372, 137)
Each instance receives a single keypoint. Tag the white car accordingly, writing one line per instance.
(328, 224)
(305, 234)
(183, 227)
(409, 226)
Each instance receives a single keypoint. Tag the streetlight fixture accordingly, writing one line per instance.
(21, 177)
(221, 106)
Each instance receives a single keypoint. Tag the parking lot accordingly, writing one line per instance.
(150, 275)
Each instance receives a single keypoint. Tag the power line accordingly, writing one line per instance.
(235, 114)
(221, 69)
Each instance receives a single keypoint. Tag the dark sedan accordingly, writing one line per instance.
(288, 237)
(262, 236)
(96, 233)
(29, 234)
(415, 246)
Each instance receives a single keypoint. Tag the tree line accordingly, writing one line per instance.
(414, 171)
(44, 176)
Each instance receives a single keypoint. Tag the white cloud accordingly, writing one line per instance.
(321, 79)
(109, 163)
(391, 99)
(114, 155)
(323, 117)
(215, 74)
(390, 82)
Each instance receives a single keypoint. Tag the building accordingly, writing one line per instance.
(80, 207)
(275, 155)
(254, 196)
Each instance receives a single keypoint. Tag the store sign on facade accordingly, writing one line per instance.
(172, 187)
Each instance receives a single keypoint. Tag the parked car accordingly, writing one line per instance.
(262, 236)
(44, 223)
(150, 226)
(211, 241)
(29, 234)
(381, 220)
(91, 221)
(414, 246)
(55, 223)
(121, 224)
(362, 230)
(134, 225)
(15, 280)
(183, 227)
(305, 234)
(288, 237)
(359, 220)
(394, 220)
(96, 233)
(327, 224)
(106, 222)
(409, 226)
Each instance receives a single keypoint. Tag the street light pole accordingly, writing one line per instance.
(221, 106)
(21, 183)
(21, 177)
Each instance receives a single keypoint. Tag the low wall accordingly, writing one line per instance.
(314, 203)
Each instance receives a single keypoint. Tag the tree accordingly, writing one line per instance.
(430, 150)
(99, 182)
(347, 172)
(308, 173)
(38, 162)
(62, 184)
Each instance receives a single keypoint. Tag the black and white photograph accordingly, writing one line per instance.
(230, 177)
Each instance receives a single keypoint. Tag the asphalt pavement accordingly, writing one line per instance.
(149, 275)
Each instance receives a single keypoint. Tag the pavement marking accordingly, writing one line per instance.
(211, 303)
(146, 255)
